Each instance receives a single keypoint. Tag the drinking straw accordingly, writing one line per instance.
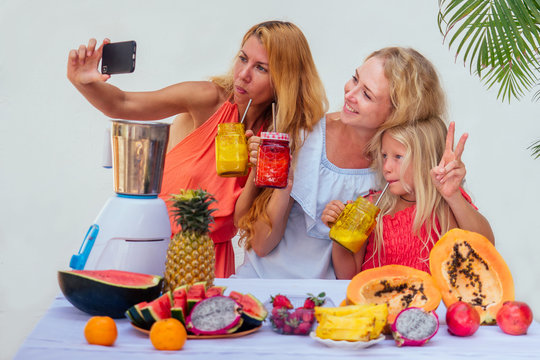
(245, 112)
(382, 193)
(274, 116)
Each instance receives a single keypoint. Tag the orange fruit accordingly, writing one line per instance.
(168, 334)
(100, 330)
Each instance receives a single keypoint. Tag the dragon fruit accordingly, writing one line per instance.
(414, 326)
(217, 315)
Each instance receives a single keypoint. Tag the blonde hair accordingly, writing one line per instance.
(299, 94)
(424, 141)
(415, 89)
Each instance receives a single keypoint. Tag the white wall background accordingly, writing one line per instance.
(52, 186)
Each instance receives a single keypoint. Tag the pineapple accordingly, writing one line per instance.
(190, 256)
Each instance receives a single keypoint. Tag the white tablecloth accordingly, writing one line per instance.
(59, 335)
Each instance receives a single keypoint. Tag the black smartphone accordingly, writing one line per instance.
(119, 57)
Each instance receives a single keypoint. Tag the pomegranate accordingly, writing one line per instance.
(462, 319)
(514, 317)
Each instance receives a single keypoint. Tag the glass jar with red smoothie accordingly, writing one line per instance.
(273, 160)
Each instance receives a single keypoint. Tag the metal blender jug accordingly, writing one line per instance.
(132, 231)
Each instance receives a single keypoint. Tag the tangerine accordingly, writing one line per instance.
(168, 334)
(100, 330)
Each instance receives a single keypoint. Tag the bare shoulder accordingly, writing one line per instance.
(208, 92)
(202, 99)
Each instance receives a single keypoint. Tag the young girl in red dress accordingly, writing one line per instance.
(423, 201)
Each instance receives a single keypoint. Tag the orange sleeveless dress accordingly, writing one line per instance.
(191, 164)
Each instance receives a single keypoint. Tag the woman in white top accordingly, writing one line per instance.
(281, 229)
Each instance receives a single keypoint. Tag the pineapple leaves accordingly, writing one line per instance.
(191, 210)
(500, 39)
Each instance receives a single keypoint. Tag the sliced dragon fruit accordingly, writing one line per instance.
(414, 326)
(215, 316)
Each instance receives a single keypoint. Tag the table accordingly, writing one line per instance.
(59, 335)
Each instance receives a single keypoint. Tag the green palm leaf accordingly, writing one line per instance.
(535, 147)
(500, 39)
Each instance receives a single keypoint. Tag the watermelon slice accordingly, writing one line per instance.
(235, 295)
(158, 309)
(179, 306)
(252, 307)
(196, 293)
(253, 311)
(215, 291)
(136, 317)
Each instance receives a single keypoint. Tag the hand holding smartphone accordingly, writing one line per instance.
(118, 58)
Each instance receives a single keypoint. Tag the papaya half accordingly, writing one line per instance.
(398, 286)
(467, 267)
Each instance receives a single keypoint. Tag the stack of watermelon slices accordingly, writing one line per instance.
(179, 303)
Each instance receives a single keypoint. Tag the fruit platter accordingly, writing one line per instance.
(466, 304)
(63, 318)
(205, 312)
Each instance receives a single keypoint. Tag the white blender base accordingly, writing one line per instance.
(131, 233)
(142, 256)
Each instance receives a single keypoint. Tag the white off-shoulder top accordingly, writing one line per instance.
(305, 249)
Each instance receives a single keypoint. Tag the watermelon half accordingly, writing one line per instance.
(108, 292)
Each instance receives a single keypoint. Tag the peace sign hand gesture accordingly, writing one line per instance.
(449, 174)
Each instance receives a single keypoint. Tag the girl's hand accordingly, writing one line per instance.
(253, 147)
(83, 64)
(331, 212)
(449, 174)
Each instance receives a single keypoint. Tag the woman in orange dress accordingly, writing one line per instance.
(274, 64)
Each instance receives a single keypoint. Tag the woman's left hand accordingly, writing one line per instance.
(253, 143)
(449, 174)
